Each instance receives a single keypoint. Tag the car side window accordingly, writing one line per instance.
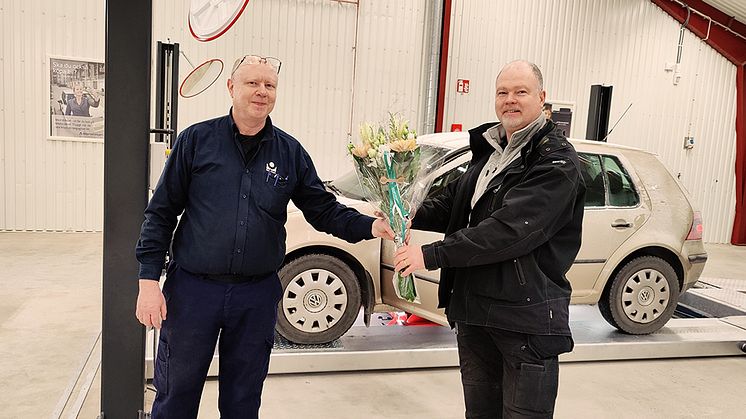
(592, 172)
(622, 191)
(441, 181)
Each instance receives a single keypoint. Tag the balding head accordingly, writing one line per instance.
(253, 90)
(519, 95)
(523, 63)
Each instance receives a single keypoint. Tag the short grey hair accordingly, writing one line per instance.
(534, 69)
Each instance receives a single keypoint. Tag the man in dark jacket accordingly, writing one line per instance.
(512, 227)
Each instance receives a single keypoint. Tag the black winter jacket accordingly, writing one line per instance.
(503, 264)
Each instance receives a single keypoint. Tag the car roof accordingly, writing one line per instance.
(457, 140)
(450, 140)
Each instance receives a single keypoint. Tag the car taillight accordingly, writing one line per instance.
(695, 233)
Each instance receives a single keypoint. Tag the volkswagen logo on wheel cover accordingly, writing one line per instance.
(315, 301)
(645, 297)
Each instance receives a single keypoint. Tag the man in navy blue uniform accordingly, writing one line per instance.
(230, 179)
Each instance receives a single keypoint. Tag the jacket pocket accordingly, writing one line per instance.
(516, 282)
(498, 282)
(519, 272)
(549, 346)
(273, 200)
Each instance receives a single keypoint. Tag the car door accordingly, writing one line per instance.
(426, 282)
(614, 210)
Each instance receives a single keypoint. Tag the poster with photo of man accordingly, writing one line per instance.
(77, 99)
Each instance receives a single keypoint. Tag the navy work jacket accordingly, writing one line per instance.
(233, 211)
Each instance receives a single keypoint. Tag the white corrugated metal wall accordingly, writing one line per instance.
(623, 43)
(322, 67)
(376, 51)
(391, 62)
(45, 185)
(58, 185)
(313, 38)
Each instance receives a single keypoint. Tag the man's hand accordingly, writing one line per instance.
(380, 215)
(151, 306)
(408, 259)
(382, 229)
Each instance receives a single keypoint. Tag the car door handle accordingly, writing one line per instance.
(621, 224)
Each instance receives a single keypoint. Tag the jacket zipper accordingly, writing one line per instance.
(519, 271)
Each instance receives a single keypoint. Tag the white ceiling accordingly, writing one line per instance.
(735, 8)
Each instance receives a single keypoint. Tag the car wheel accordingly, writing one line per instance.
(320, 299)
(641, 297)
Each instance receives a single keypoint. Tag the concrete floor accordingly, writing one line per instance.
(50, 317)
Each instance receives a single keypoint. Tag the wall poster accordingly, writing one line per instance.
(76, 99)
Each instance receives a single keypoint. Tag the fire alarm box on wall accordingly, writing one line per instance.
(462, 86)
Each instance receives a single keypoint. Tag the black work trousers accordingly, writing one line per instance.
(508, 374)
(240, 318)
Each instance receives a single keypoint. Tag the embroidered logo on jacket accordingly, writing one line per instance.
(272, 176)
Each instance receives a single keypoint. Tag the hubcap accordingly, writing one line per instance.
(645, 296)
(314, 300)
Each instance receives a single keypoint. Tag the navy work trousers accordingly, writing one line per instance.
(508, 374)
(200, 310)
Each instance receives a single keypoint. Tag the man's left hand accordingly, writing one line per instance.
(408, 259)
(382, 229)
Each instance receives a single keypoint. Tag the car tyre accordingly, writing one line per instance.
(642, 296)
(320, 299)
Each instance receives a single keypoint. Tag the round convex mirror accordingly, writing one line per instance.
(209, 19)
(202, 77)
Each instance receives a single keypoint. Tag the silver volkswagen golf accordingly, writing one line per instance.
(642, 247)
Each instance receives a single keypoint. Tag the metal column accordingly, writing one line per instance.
(126, 134)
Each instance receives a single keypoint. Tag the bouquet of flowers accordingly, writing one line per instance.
(394, 173)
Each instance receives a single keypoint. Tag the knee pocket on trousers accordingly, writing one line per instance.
(536, 389)
(160, 377)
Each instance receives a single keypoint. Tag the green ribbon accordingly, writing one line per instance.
(395, 199)
(396, 204)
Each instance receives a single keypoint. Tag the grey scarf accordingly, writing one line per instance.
(501, 158)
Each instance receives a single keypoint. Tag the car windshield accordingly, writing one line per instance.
(348, 184)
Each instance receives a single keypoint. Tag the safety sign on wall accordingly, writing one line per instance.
(462, 86)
